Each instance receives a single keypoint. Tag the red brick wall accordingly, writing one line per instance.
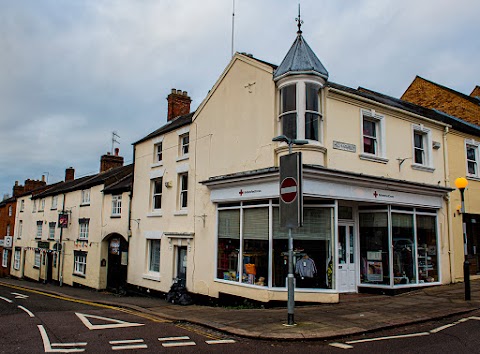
(5, 220)
(427, 94)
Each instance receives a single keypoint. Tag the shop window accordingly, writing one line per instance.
(374, 249)
(228, 244)
(5, 258)
(427, 249)
(255, 246)
(154, 256)
(404, 270)
(313, 250)
(16, 258)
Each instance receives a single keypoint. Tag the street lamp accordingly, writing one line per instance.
(290, 283)
(461, 183)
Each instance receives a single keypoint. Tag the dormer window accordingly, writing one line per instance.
(300, 110)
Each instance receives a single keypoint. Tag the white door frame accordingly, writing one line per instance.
(348, 270)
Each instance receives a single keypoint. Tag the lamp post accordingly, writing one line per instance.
(291, 276)
(461, 183)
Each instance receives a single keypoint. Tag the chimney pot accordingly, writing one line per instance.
(16, 183)
(174, 90)
(117, 150)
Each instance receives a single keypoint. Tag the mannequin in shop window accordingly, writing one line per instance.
(305, 270)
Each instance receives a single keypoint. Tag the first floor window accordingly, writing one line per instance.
(158, 152)
(5, 258)
(10, 210)
(20, 229)
(288, 110)
(183, 190)
(370, 136)
(419, 147)
(80, 263)
(184, 144)
(39, 229)
(154, 256)
(157, 186)
(38, 256)
(22, 205)
(16, 259)
(116, 205)
(472, 160)
(51, 230)
(83, 224)
(54, 201)
(86, 196)
(8, 230)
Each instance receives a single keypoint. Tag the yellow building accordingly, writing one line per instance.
(75, 232)
(463, 142)
(206, 188)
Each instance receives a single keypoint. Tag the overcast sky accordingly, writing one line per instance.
(73, 71)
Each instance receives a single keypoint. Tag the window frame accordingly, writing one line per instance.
(158, 155)
(379, 121)
(5, 258)
(155, 193)
(183, 191)
(85, 197)
(9, 228)
(19, 229)
(38, 235)
(22, 205)
(475, 145)
(17, 255)
(184, 141)
(426, 134)
(116, 205)
(80, 263)
(10, 210)
(37, 259)
(54, 202)
(51, 227)
(150, 266)
(83, 229)
(41, 206)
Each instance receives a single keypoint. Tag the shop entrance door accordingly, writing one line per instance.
(347, 267)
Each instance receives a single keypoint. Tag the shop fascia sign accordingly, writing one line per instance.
(383, 195)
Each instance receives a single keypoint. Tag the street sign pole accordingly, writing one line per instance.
(291, 216)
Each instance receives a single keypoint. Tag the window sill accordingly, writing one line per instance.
(182, 158)
(373, 158)
(115, 216)
(154, 214)
(156, 164)
(84, 204)
(53, 208)
(36, 267)
(21, 211)
(151, 277)
(79, 275)
(180, 212)
(473, 178)
(85, 240)
(422, 168)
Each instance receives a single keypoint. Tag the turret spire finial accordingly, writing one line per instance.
(299, 21)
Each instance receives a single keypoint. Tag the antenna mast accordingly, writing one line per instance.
(114, 140)
(233, 25)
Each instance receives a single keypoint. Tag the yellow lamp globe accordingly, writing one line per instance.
(461, 183)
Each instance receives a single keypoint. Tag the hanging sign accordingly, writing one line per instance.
(63, 220)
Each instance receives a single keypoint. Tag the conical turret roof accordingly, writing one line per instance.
(300, 59)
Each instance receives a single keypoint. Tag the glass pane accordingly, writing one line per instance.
(471, 153)
(255, 224)
(154, 256)
(342, 244)
(227, 261)
(312, 97)
(311, 126)
(289, 125)
(403, 249)
(351, 244)
(418, 139)
(427, 249)
(255, 262)
(472, 168)
(229, 224)
(369, 128)
(369, 145)
(374, 249)
(158, 186)
(419, 156)
(288, 96)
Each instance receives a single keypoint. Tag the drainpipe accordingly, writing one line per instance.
(451, 254)
(61, 253)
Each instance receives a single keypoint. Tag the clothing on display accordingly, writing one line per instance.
(305, 267)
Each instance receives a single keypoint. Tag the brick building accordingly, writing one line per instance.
(8, 208)
(434, 96)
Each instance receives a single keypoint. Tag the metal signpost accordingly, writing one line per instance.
(291, 214)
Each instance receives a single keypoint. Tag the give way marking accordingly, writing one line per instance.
(59, 347)
(20, 296)
(114, 323)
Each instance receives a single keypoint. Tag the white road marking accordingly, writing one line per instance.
(127, 341)
(220, 341)
(115, 323)
(79, 344)
(178, 344)
(5, 299)
(135, 346)
(164, 339)
(341, 345)
(48, 347)
(26, 310)
(389, 337)
(20, 296)
(441, 328)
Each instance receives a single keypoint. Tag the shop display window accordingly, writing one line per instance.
(427, 249)
(404, 270)
(312, 243)
(374, 248)
(255, 246)
(228, 244)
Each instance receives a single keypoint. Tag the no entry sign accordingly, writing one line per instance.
(288, 190)
(291, 197)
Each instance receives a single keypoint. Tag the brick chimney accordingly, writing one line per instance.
(178, 104)
(69, 174)
(31, 184)
(18, 189)
(108, 161)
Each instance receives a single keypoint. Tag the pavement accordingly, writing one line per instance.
(354, 314)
